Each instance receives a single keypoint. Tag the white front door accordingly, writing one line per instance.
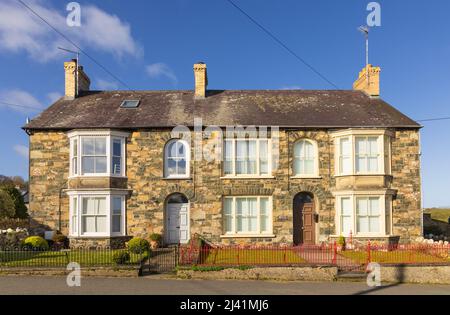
(177, 223)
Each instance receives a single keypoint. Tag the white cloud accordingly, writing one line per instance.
(107, 85)
(291, 87)
(20, 30)
(21, 150)
(160, 69)
(21, 101)
(53, 96)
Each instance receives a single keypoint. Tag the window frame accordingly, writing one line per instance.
(383, 146)
(233, 215)
(188, 160)
(315, 173)
(385, 213)
(76, 161)
(75, 228)
(258, 159)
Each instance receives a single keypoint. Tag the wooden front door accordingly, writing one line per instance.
(303, 223)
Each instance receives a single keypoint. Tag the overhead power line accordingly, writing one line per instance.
(282, 44)
(74, 44)
(434, 119)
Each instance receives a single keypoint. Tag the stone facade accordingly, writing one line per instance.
(49, 168)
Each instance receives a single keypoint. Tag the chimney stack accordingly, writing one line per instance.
(201, 80)
(75, 82)
(368, 81)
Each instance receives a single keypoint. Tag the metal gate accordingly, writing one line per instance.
(161, 260)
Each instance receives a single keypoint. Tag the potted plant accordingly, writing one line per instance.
(341, 243)
(155, 240)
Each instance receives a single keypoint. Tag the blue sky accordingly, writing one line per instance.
(153, 44)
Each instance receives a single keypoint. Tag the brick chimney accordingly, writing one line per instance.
(74, 85)
(201, 80)
(368, 81)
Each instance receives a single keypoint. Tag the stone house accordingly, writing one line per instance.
(247, 166)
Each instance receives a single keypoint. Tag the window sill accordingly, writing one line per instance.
(247, 177)
(95, 236)
(177, 178)
(368, 174)
(247, 236)
(306, 177)
(365, 236)
(96, 176)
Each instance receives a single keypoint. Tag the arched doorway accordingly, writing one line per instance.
(303, 219)
(176, 219)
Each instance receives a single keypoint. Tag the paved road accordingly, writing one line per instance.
(156, 285)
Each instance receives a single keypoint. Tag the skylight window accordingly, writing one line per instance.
(130, 104)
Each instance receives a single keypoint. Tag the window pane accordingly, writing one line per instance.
(374, 206)
(117, 148)
(309, 150)
(171, 166)
(345, 146)
(363, 224)
(361, 206)
(360, 145)
(374, 224)
(100, 146)
(181, 167)
(172, 149)
(100, 205)
(88, 224)
(75, 148)
(263, 157)
(346, 225)
(309, 167)
(101, 224)
(227, 206)
(228, 157)
(88, 206)
(361, 163)
(298, 149)
(116, 167)
(88, 146)
(372, 146)
(74, 214)
(264, 206)
(116, 223)
(181, 149)
(346, 165)
(87, 164)
(346, 207)
(117, 205)
(298, 169)
(373, 164)
(100, 164)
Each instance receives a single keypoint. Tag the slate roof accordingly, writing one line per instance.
(283, 108)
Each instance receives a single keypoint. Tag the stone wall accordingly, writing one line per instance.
(49, 167)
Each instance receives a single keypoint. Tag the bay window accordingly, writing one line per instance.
(96, 214)
(97, 153)
(362, 152)
(249, 216)
(363, 214)
(246, 157)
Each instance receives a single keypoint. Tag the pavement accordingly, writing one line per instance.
(161, 285)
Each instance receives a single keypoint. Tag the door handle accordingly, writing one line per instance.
(177, 227)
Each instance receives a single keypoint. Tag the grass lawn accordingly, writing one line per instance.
(251, 257)
(57, 259)
(393, 257)
(439, 214)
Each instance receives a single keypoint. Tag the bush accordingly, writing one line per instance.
(60, 239)
(10, 238)
(138, 245)
(155, 237)
(36, 242)
(121, 257)
(341, 241)
(20, 210)
(7, 209)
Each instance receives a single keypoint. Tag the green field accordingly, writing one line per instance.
(439, 214)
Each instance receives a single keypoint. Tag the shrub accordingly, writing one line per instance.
(7, 209)
(60, 239)
(20, 210)
(35, 242)
(155, 237)
(138, 245)
(341, 240)
(121, 257)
